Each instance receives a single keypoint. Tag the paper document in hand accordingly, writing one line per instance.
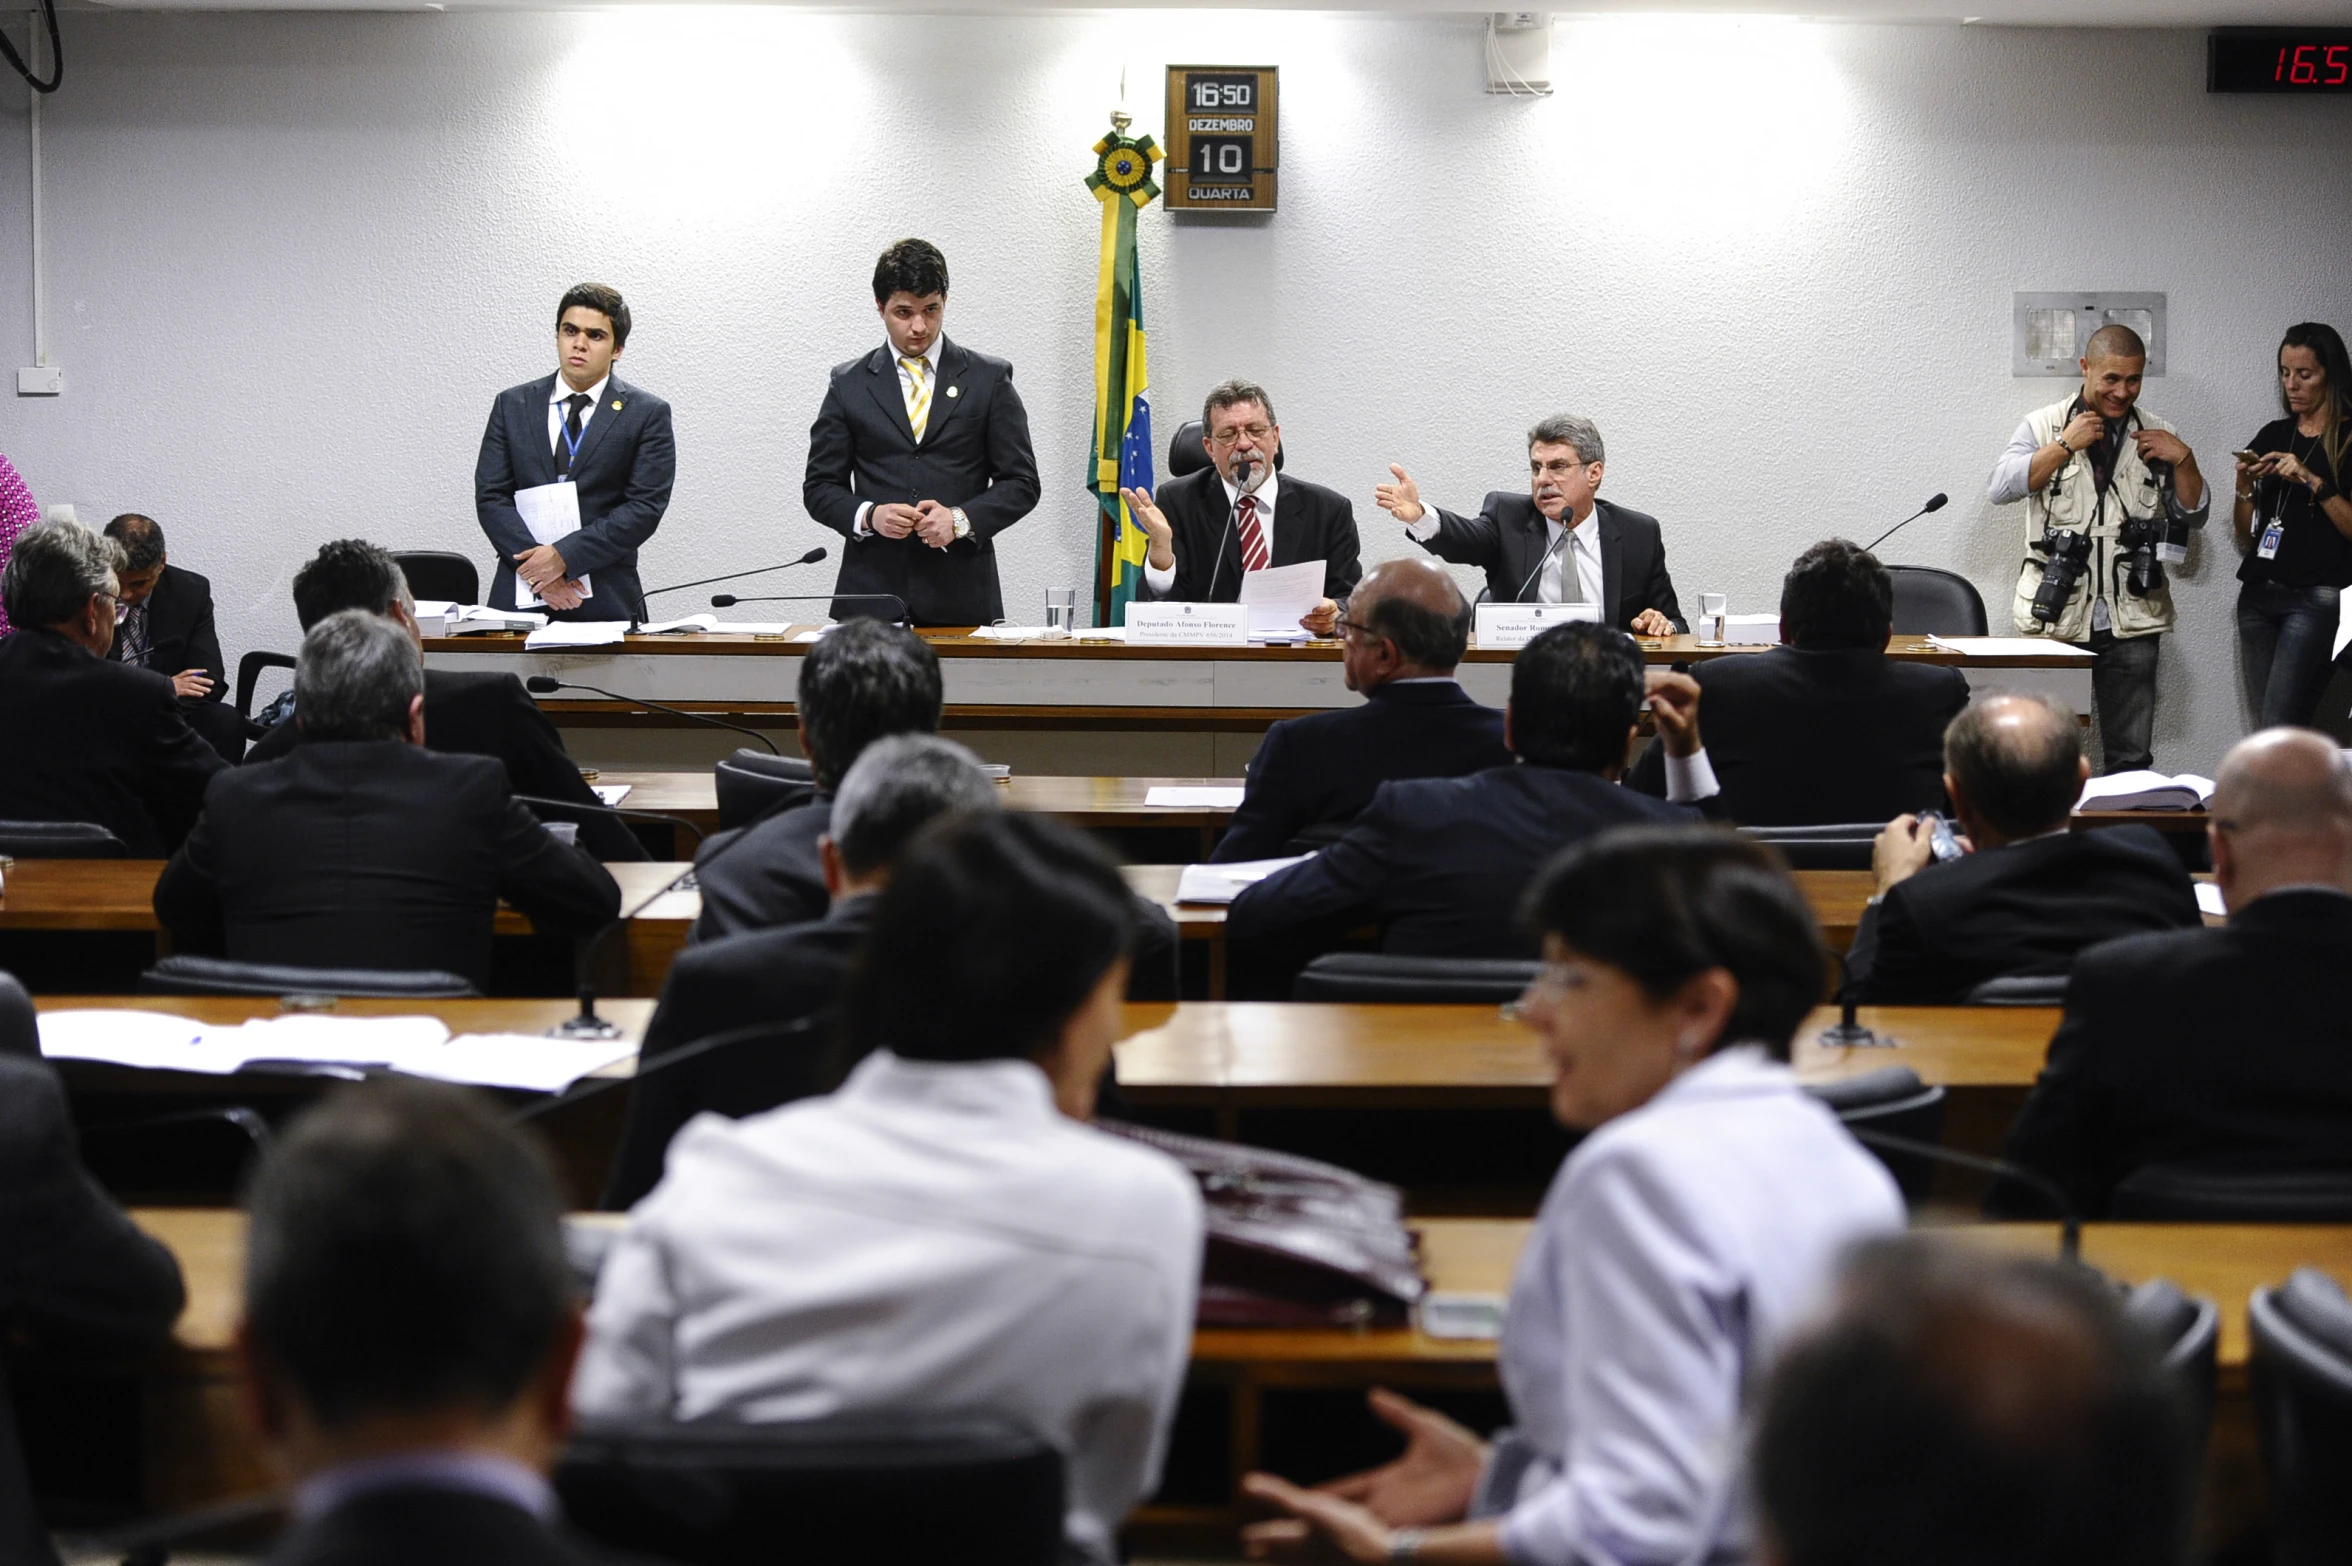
(2146, 791)
(576, 633)
(610, 793)
(1193, 796)
(1279, 597)
(1223, 883)
(552, 513)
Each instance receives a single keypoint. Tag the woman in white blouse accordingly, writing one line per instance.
(1679, 1242)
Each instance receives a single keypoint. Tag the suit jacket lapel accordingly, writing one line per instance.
(882, 380)
(617, 396)
(539, 467)
(1612, 563)
(954, 363)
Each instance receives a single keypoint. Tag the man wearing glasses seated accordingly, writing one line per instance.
(1210, 528)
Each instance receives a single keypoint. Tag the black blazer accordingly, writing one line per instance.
(372, 854)
(765, 875)
(1439, 863)
(1801, 738)
(487, 713)
(180, 633)
(1310, 523)
(2223, 1049)
(628, 461)
(2028, 908)
(1508, 537)
(412, 1524)
(1321, 770)
(974, 454)
(87, 739)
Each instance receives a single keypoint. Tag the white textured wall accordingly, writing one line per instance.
(291, 257)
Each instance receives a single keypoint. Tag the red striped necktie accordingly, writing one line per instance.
(1254, 553)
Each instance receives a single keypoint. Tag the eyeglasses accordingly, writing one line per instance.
(1348, 628)
(1256, 433)
(121, 609)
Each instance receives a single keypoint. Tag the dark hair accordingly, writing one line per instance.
(1961, 1408)
(349, 573)
(1232, 394)
(602, 297)
(356, 678)
(1837, 595)
(863, 680)
(1016, 916)
(2023, 781)
(1666, 904)
(1424, 636)
(2115, 341)
(54, 569)
(899, 786)
(2326, 345)
(141, 538)
(912, 266)
(1576, 693)
(405, 1255)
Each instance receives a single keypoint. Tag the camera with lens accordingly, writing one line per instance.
(2138, 540)
(2070, 556)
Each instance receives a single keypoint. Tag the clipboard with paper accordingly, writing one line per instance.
(552, 513)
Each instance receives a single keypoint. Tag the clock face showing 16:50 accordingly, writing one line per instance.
(1221, 137)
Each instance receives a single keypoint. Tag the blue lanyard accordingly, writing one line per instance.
(563, 432)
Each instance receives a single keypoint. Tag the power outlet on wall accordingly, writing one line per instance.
(45, 380)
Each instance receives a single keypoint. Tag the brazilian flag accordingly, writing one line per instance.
(1122, 454)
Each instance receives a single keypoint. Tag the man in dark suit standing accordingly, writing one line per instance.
(1560, 543)
(409, 1334)
(1406, 630)
(586, 427)
(2028, 894)
(1440, 863)
(1213, 526)
(89, 739)
(363, 849)
(1825, 727)
(167, 626)
(920, 457)
(2219, 1050)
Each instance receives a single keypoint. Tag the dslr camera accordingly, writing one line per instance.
(2070, 556)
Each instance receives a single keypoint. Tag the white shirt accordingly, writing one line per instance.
(906, 391)
(1583, 546)
(556, 410)
(1158, 583)
(1674, 1251)
(931, 1236)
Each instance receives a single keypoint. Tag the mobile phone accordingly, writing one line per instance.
(2247, 456)
(1942, 840)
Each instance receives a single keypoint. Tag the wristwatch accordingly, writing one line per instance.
(2062, 446)
(963, 524)
(1405, 1544)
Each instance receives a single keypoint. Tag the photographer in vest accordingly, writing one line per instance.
(2112, 494)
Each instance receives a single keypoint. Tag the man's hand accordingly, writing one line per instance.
(1651, 623)
(1433, 1480)
(540, 566)
(2084, 430)
(1320, 1526)
(2162, 446)
(1323, 619)
(892, 520)
(1903, 849)
(1402, 499)
(1673, 700)
(564, 595)
(1162, 554)
(935, 524)
(192, 684)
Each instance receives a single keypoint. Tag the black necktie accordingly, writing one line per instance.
(574, 405)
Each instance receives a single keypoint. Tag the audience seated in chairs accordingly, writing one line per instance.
(1826, 727)
(1405, 630)
(2225, 1050)
(409, 1332)
(2029, 893)
(88, 739)
(1954, 1406)
(467, 713)
(1439, 863)
(167, 626)
(944, 1231)
(363, 849)
(789, 975)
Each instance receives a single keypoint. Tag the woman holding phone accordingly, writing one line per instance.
(2295, 528)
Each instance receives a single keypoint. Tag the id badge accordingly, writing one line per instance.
(2268, 548)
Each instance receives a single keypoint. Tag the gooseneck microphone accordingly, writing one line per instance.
(1935, 502)
(1245, 468)
(663, 1062)
(811, 558)
(729, 600)
(548, 684)
(2069, 1221)
(1545, 559)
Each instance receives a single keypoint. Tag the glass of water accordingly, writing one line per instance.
(1714, 609)
(1061, 610)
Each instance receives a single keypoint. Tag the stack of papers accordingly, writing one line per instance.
(326, 1045)
(576, 633)
(475, 618)
(692, 622)
(1223, 883)
(1194, 796)
(1751, 630)
(2146, 791)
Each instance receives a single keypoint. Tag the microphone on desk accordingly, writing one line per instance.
(811, 558)
(548, 684)
(677, 1057)
(602, 809)
(729, 600)
(1935, 502)
(2069, 1220)
(1245, 468)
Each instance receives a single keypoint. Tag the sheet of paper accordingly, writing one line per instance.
(1100, 633)
(149, 1040)
(323, 1039)
(1015, 633)
(552, 513)
(754, 627)
(610, 793)
(517, 1060)
(2007, 647)
(1279, 596)
(1223, 883)
(692, 622)
(576, 633)
(2209, 900)
(1193, 796)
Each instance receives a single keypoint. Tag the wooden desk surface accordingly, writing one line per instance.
(1083, 801)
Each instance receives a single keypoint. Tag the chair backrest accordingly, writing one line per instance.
(1933, 602)
(249, 670)
(1842, 845)
(1186, 454)
(440, 573)
(752, 783)
(60, 840)
(2302, 1373)
(218, 976)
(183, 1158)
(1891, 1099)
(2188, 1327)
(2020, 989)
(877, 1490)
(2164, 1193)
(20, 1024)
(1413, 981)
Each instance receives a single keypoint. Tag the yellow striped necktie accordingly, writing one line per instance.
(918, 396)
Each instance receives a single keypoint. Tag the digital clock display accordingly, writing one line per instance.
(2281, 60)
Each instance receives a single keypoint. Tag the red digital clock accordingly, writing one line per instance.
(2279, 59)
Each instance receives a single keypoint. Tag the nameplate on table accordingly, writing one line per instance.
(1515, 625)
(1187, 625)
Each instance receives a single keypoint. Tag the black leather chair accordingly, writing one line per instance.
(1185, 453)
(2302, 1373)
(2020, 989)
(2162, 1193)
(249, 670)
(1413, 981)
(20, 1024)
(1842, 845)
(1933, 602)
(875, 1490)
(1892, 1099)
(60, 840)
(752, 783)
(184, 1158)
(217, 976)
(440, 573)
(2189, 1329)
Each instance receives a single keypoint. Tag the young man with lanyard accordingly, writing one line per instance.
(2083, 480)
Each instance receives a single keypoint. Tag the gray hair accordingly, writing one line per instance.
(897, 787)
(141, 538)
(2022, 778)
(1568, 429)
(356, 678)
(1232, 394)
(54, 569)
